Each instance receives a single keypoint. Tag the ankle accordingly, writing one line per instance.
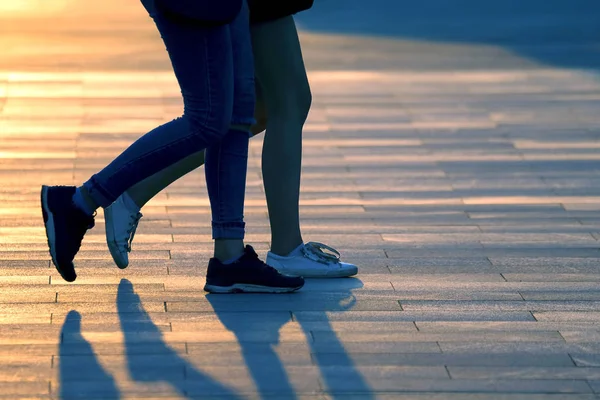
(284, 249)
(84, 201)
(228, 249)
(138, 196)
(130, 203)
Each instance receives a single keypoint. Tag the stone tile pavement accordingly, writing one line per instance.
(463, 178)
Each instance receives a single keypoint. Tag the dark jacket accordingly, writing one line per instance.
(267, 10)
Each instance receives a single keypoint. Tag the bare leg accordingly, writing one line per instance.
(283, 102)
(143, 191)
(282, 79)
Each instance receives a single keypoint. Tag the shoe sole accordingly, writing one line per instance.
(49, 225)
(316, 274)
(247, 288)
(112, 243)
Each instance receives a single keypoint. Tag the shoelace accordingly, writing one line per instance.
(135, 219)
(317, 252)
(263, 265)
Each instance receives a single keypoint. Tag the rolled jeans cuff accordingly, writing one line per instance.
(228, 230)
(99, 194)
(249, 121)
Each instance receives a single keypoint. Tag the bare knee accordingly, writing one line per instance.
(292, 112)
(293, 104)
(303, 99)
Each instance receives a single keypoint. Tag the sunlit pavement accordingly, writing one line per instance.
(452, 152)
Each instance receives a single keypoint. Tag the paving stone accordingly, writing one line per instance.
(87, 389)
(546, 265)
(31, 362)
(533, 325)
(24, 388)
(495, 286)
(84, 255)
(417, 263)
(256, 355)
(595, 385)
(524, 348)
(27, 374)
(46, 295)
(290, 305)
(397, 383)
(454, 251)
(461, 175)
(552, 336)
(574, 336)
(586, 360)
(47, 308)
(155, 336)
(452, 359)
(547, 372)
(556, 277)
(301, 379)
(427, 305)
(77, 348)
(450, 277)
(343, 326)
(568, 316)
(159, 296)
(413, 316)
(107, 281)
(377, 282)
(40, 279)
(25, 318)
(214, 382)
(100, 288)
(458, 295)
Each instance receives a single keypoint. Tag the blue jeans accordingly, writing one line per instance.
(214, 69)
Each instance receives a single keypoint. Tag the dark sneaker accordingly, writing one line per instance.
(249, 274)
(65, 227)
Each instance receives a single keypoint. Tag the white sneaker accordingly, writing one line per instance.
(121, 224)
(313, 262)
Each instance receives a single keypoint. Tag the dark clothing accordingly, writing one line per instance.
(265, 10)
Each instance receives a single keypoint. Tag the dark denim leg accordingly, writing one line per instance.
(202, 60)
(227, 160)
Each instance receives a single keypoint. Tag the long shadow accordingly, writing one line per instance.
(167, 365)
(337, 368)
(258, 335)
(562, 33)
(81, 375)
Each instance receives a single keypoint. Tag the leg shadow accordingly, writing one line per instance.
(166, 365)
(257, 335)
(337, 368)
(81, 375)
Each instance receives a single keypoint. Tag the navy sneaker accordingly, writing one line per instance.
(249, 274)
(65, 227)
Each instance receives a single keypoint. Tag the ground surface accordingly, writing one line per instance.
(451, 152)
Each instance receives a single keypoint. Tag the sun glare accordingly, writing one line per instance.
(8, 7)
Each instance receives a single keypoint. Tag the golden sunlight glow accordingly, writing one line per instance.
(37, 154)
(31, 6)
